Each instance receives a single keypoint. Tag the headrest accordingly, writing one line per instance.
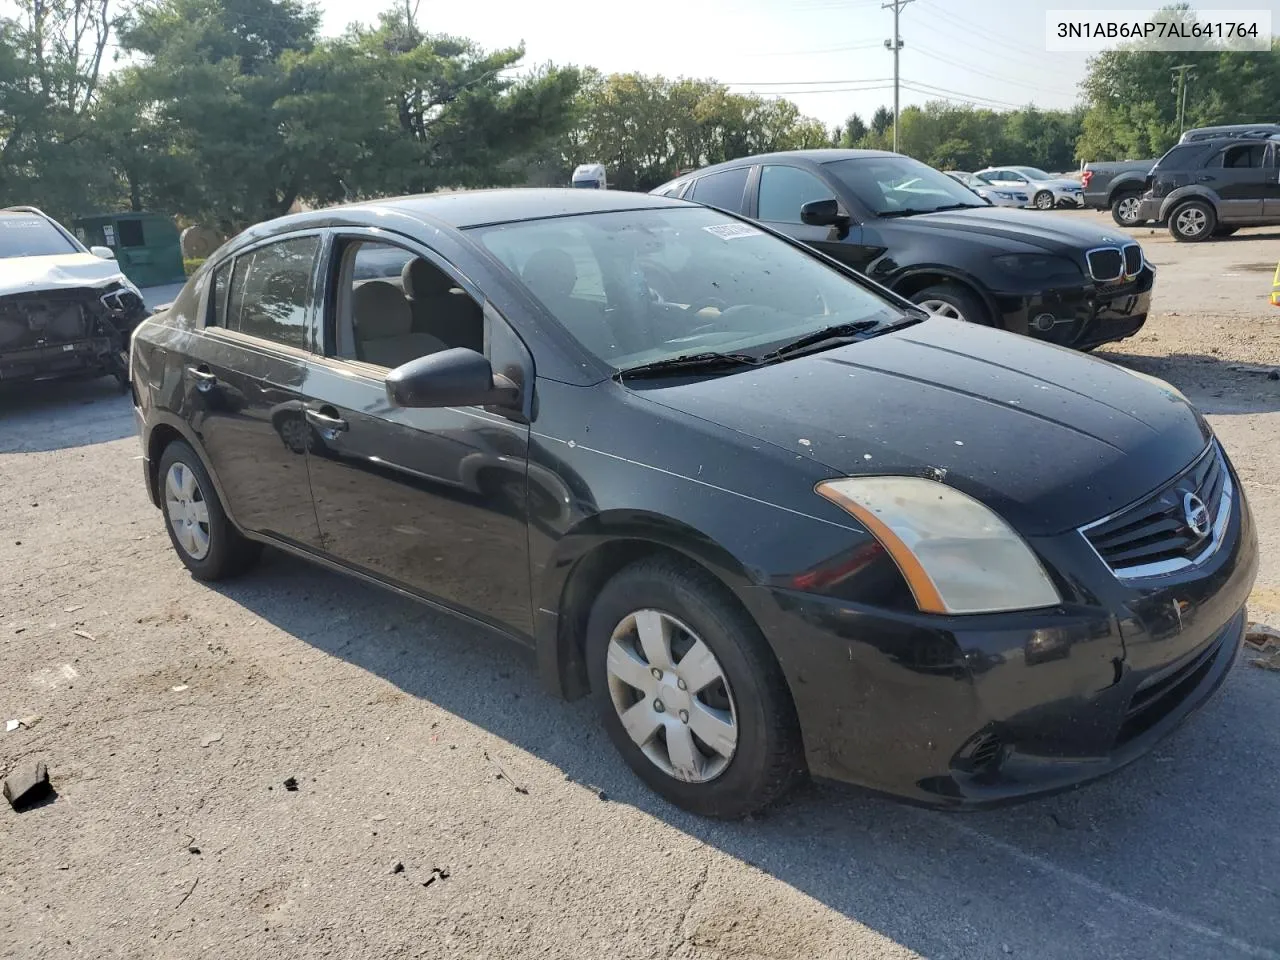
(550, 272)
(380, 310)
(423, 279)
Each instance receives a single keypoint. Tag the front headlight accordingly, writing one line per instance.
(1039, 267)
(956, 554)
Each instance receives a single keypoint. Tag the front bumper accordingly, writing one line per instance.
(93, 356)
(1081, 317)
(976, 711)
(1068, 198)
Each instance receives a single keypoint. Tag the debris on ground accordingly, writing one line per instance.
(502, 775)
(437, 873)
(22, 723)
(601, 795)
(78, 606)
(179, 688)
(398, 868)
(1268, 663)
(211, 739)
(1262, 636)
(85, 635)
(195, 851)
(291, 784)
(27, 786)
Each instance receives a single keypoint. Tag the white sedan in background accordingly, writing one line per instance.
(1045, 190)
(999, 196)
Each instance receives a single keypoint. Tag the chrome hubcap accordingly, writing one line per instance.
(940, 308)
(187, 511)
(1127, 209)
(1191, 222)
(1044, 201)
(672, 696)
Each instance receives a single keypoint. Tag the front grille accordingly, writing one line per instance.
(1132, 260)
(1155, 536)
(1105, 264)
(1157, 696)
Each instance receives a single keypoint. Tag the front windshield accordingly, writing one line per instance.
(30, 236)
(1031, 173)
(895, 186)
(639, 286)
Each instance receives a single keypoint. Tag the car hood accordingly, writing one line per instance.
(1006, 226)
(60, 272)
(1048, 438)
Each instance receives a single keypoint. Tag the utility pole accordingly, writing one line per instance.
(895, 45)
(1181, 91)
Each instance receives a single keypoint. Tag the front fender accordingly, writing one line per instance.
(903, 280)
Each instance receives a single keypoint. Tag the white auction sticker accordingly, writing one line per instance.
(733, 231)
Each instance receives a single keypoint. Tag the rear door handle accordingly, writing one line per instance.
(326, 418)
(203, 376)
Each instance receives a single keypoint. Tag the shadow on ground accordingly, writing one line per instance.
(1173, 857)
(59, 414)
(1216, 385)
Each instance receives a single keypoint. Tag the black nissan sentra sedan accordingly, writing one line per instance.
(774, 519)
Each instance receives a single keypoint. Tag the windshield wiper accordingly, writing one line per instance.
(912, 211)
(835, 334)
(690, 362)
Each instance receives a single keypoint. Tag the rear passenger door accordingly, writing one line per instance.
(243, 383)
(430, 500)
(1271, 192)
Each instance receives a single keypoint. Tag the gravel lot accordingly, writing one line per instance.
(173, 713)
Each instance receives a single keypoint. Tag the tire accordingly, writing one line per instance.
(1043, 200)
(212, 549)
(1129, 200)
(748, 697)
(953, 301)
(1224, 231)
(1193, 213)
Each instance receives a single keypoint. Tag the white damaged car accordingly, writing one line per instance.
(65, 311)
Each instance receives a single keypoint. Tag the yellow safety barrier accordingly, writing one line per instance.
(1275, 288)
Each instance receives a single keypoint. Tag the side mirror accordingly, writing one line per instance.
(458, 377)
(106, 253)
(823, 213)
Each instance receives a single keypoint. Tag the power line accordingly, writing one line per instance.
(979, 38)
(799, 83)
(943, 58)
(940, 93)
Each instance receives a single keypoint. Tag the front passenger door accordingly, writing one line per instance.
(429, 500)
(783, 190)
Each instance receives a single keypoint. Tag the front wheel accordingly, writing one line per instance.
(953, 302)
(1043, 200)
(1193, 221)
(1124, 210)
(690, 692)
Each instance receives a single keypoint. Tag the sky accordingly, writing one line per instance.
(828, 56)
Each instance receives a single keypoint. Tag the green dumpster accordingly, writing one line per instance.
(147, 245)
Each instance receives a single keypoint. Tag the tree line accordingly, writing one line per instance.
(228, 111)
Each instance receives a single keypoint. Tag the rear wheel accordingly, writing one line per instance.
(1193, 221)
(1125, 207)
(1043, 200)
(205, 540)
(690, 692)
(952, 301)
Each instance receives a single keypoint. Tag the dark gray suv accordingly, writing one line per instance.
(1211, 188)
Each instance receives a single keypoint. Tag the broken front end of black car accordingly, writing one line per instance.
(68, 332)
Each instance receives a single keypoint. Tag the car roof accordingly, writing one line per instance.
(473, 208)
(824, 155)
(459, 210)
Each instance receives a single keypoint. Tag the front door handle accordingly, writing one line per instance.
(1204, 178)
(204, 377)
(327, 419)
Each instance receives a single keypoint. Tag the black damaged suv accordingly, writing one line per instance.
(937, 243)
(1214, 187)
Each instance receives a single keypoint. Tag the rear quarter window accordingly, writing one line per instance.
(724, 190)
(1182, 156)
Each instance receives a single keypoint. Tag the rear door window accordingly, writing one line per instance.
(271, 291)
(723, 190)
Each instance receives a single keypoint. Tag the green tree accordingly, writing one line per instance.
(882, 121)
(853, 131)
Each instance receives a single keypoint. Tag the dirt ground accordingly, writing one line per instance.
(172, 714)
